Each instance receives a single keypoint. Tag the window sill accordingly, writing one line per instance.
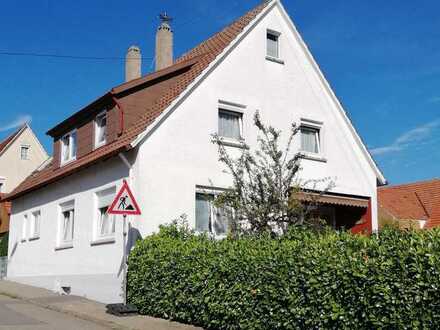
(228, 142)
(67, 162)
(64, 246)
(99, 145)
(314, 157)
(104, 240)
(274, 59)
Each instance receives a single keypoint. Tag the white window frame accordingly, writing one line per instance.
(65, 207)
(103, 198)
(24, 231)
(73, 147)
(2, 184)
(270, 57)
(35, 225)
(235, 108)
(319, 127)
(213, 192)
(240, 123)
(98, 128)
(26, 147)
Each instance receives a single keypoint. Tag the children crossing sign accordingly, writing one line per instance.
(124, 202)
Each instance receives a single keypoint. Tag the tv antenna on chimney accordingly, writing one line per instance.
(165, 18)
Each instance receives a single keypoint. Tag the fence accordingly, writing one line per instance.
(3, 267)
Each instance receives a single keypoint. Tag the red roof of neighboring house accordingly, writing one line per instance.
(9, 139)
(415, 201)
(198, 59)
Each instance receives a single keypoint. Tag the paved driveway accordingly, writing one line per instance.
(17, 314)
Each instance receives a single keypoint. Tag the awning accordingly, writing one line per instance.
(332, 199)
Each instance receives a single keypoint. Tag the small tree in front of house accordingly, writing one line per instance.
(263, 198)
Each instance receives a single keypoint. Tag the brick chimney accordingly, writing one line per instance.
(133, 62)
(164, 43)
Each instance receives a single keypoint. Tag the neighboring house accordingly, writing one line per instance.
(415, 205)
(20, 154)
(155, 132)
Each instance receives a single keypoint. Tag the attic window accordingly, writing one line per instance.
(68, 147)
(24, 152)
(100, 129)
(273, 47)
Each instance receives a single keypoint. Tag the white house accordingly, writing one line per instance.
(21, 153)
(155, 132)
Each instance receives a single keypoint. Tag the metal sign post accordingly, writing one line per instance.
(124, 204)
(124, 258)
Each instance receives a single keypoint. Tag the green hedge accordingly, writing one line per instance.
(308, 280)
(4, 245)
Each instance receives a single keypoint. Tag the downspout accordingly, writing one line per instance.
(121, 113)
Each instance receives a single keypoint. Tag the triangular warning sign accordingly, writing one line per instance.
(124, 202)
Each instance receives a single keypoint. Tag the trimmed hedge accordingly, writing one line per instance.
(305, 280)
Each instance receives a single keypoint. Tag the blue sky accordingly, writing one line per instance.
(381, 57)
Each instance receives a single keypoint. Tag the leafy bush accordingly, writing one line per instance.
(306, 280)
(4, 245)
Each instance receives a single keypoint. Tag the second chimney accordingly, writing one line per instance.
(133, 63)
(164, 43)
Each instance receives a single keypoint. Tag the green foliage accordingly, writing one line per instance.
(4, 245)
(304, 280)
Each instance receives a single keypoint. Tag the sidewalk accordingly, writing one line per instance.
(85, 309)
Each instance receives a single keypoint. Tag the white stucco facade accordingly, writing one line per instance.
(176, 157)
(14, 169)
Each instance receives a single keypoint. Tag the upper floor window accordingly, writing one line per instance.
(24, 152)
(100, 129)
(273, 45)
(68, 147)
(230, 124)
(310, 140)
(209, 218)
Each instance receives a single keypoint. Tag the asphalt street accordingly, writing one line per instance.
(17, 314)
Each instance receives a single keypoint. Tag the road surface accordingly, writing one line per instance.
(17, 315)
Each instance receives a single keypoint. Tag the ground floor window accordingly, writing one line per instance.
(35, 225)
(209, 218)
(104, 223)
(66, 225)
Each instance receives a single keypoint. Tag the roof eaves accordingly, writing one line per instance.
(11, 138)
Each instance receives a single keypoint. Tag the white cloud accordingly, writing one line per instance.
(415, 135)
(19, 121)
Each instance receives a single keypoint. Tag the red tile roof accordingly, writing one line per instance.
(199, 58)
(9, 139)
(415, 201)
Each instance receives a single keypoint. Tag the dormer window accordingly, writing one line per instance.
(100, 129)
(68, 147)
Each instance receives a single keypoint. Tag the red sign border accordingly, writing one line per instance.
(125, 187)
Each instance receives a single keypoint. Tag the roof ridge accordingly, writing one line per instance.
(207, 51)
